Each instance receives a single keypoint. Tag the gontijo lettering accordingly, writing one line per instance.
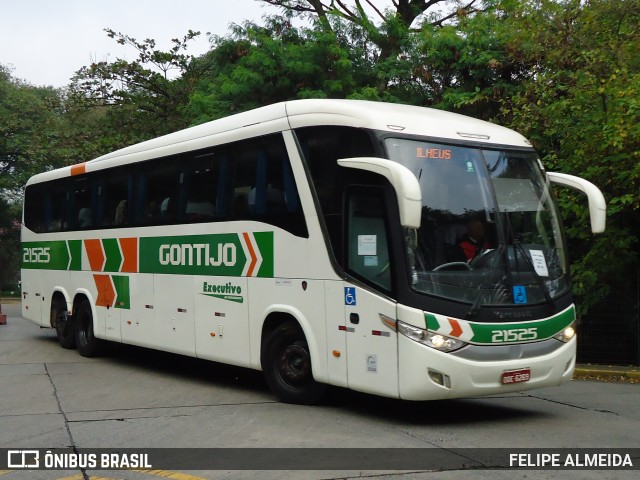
(197, 254)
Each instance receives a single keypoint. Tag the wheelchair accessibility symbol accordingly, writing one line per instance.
(519, 294)
(349, 295)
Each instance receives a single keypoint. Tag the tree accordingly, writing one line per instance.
(29, 122)
(388, 33)
(260, 65)
(9, 244)
(581, 108)
(139, 99)
(388, 29)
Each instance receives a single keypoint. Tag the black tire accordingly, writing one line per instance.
(63, 323)
(88, 344)
(286, 365)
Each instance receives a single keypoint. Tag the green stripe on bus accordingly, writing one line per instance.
(216, 254)
(501, 333)
(432, 322)
(265, 245)
(220, 254)
(113, 256)
(123, 298)
(545, 328)
(54, 255)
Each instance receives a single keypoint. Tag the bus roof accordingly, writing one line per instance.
(389, 117)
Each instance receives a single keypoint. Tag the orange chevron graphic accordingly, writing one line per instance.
(106, 292)
(456, 331)
(129, 247)
(254, 258)
(95, 254)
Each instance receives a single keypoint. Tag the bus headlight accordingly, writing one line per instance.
(430, 339)
(566, 334)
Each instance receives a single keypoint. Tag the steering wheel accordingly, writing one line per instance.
(452, 264)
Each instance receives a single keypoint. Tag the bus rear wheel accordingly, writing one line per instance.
(286, 364)
(63, 323)
(88, 344)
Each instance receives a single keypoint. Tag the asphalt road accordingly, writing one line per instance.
(135, 398)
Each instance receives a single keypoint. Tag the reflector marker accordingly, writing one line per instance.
(342, 328)
(78, 169)
(378, 333)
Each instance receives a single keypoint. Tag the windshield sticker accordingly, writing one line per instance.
(367, 244)
(370, 261)
(539, 262)
(519, 294)
(470, 167)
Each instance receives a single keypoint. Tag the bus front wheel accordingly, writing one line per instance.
(286, 364)
(88, 344)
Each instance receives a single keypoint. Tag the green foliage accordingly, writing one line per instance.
(131, 101)
(581, 108)
(260, 65)
(565, 73)
(9, 243)
(29, 120)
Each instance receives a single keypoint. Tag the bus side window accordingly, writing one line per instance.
(80, 202)
(367, 241)
(35, 216)
(155, 187)
(321, 147)
(113, 198)
(202, 174)
(56, 207)
(263, 187)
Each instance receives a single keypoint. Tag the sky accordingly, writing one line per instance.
(44, 42)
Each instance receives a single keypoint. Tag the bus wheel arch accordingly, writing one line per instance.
(286, 360)
(61, 321)
(87, 343)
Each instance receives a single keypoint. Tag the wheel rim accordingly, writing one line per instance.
(294, 364)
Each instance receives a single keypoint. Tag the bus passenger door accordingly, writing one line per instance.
(372, 347)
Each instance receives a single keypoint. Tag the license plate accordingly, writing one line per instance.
(516, 376)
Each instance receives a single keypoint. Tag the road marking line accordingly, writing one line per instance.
(80, 477)
(169, 474)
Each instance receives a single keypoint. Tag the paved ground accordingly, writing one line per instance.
(53, 398)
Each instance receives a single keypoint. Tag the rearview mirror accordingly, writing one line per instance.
(403, 181)
(597, 203)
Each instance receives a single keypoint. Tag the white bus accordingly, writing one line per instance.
(390, 249)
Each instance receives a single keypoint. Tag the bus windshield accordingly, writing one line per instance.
(490, 233)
